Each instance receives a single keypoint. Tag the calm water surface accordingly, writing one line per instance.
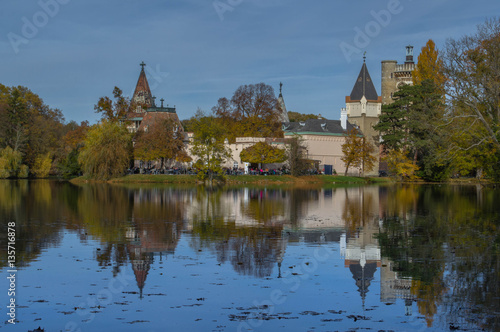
(163, 258)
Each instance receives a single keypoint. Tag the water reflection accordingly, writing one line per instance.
(436, 246)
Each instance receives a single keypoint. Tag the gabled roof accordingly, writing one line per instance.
(364, 86)
(316, 126)
(150, 118)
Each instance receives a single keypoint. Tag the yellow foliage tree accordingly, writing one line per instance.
(357, 152)
(400, 165)
(429, 66)
(263, 153)
(42, 165)
(11, 164)
(107, 150)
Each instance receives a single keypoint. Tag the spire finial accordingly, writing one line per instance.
(281, 86)
(142, 65)
(364, 57)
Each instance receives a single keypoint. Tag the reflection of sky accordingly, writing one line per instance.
(190, 290)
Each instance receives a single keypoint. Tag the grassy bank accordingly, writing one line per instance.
(244, 179)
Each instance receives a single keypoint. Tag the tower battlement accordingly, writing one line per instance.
(395, 75)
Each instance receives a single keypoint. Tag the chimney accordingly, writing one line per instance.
(343, 118)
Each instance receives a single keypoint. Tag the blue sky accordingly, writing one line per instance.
(71, 52)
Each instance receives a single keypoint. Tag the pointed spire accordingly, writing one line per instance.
(142, 93)
(364, 85)
(283, 117)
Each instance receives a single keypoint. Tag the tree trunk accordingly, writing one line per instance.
(346, 169)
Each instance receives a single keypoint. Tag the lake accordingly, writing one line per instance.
(99, 257)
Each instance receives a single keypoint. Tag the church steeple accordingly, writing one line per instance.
(364, 85)
(142, 93)
(284, 113)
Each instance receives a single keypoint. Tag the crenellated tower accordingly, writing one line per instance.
(395, 75)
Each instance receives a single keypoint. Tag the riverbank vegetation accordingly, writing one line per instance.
(242, 179)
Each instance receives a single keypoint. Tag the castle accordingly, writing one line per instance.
(322, 138)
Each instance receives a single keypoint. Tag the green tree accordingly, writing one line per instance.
(107, 151)
(163, 140)
(296, 161)
(69, 166)
(208, 146)
(357, 152)
(73, 140)
(263, 153)
(411, 125)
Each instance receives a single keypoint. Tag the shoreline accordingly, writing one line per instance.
(241, 179)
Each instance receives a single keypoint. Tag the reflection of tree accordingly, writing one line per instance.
(416, 248)
(475, 272)
(358, 209)
(264, 205)
(298, 202)
(461, 222)
(35, 207)
(429, 294)
(252, 250)
(143, 220)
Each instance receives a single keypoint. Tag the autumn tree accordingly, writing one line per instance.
(161, 140)
(29, 126)
(263, 153)
(357, 152)
(252, 111)
(11, 164)
(472, 66)
(400, 165)
(107, 151)
(208, 146)
(430, 67)
(73, 141)
(114, 110)
(297, 117)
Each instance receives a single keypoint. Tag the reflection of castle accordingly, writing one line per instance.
(145, 243)
(251, 229)
(362, 256)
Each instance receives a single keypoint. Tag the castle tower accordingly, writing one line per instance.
(142, 93)
(364, 106)
(395, 75)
